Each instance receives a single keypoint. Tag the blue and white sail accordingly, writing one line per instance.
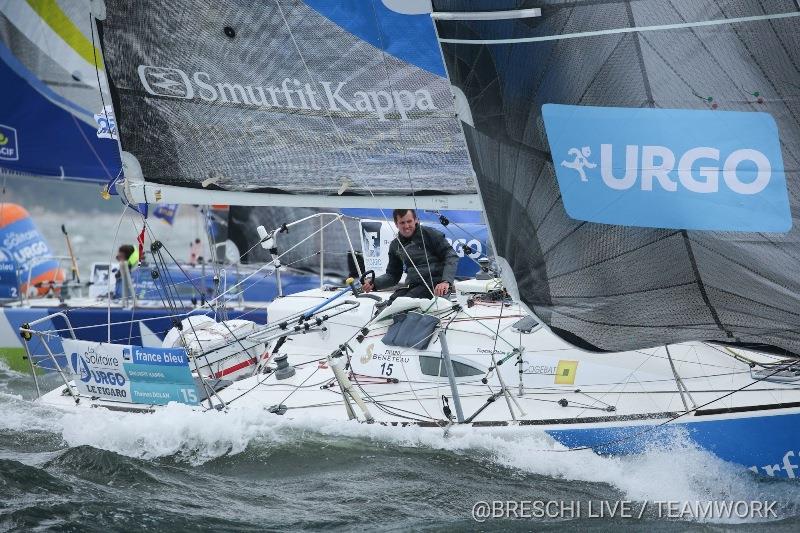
(56, 117)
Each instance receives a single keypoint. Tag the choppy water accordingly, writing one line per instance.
(177, 470)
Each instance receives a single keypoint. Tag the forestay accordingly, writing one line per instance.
(638, 162)
(319, 98)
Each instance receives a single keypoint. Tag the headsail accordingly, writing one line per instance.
(581, 116)
(53, 119)
(284, 98)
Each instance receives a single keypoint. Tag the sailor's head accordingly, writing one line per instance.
(124, 252)
(406, 221)
(586, 151)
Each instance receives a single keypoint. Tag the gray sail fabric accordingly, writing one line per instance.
(272, 96)
(299, 247)
(614, 287)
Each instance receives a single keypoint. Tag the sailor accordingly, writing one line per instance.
(429, 260)
(129, 255)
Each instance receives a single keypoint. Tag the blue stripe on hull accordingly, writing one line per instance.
(766, 444)
(90, 324)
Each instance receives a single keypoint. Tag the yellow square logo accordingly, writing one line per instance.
(565, 372)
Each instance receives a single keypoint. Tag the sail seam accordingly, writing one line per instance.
(701, 286)
(638, 45)
(660, 27)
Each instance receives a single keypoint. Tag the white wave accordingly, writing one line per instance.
(176, 430)
(20, 414)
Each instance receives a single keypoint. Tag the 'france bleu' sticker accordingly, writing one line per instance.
(669, 168)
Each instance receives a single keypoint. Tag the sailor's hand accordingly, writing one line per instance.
(367, 287)
(441, 289)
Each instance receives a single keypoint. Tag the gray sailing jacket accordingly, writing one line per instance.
(439, 265)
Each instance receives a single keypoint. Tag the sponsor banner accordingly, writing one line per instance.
(469, 241)
(288, 93)
(101, 281)
(131, 374)
(669, 168)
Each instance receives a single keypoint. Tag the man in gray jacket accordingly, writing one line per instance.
(430, 262)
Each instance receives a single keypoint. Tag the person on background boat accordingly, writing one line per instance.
(429, 260)
(195, 252)
(129, 255)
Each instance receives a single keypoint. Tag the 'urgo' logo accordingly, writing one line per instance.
(101, 377)
(669, 168)
(657, 162)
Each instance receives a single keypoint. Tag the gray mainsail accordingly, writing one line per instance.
(274, 97)
(621, 286)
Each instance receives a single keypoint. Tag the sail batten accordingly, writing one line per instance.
(635, 29)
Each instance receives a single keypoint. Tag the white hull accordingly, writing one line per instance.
(625, 398)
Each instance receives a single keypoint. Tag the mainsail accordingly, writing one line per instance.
(53, 116)
(308, 103)
(609, 96)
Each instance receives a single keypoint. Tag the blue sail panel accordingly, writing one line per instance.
(40, 137)
(409, 37)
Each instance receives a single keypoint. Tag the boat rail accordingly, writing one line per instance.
(269, 241)
(27, 332)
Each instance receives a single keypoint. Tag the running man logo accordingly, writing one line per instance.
(580, 162)
(9, 150)
(565, 372)
(670, 168)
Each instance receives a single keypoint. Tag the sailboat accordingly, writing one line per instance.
(57, 123)
(613, 321)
